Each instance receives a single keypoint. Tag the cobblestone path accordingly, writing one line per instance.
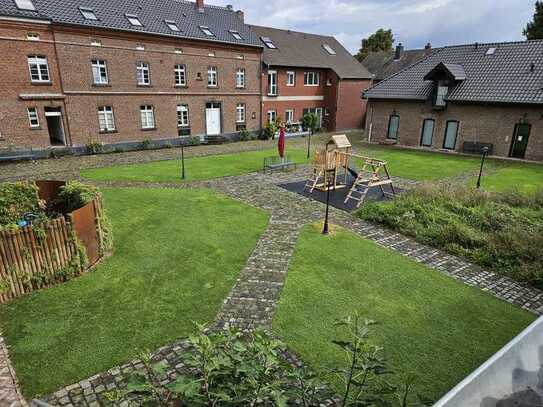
(9, 393)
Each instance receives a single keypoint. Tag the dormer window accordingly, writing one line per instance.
(88, 13)
(329, 49)
(441, 94)
(172, 25)
(268, 42)
(134, 20)
(236, 35)
(205, 29)
(25, 5)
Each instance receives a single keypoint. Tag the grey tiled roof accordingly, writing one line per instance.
(305, 50)
(506, 76)
(382, 63)
(152, 13)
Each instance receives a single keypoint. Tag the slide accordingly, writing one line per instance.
(353, 172)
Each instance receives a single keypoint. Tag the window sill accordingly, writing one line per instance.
(108, 131)
(212, 86)
(241, 87)
(35, 128)
(311, 86)
(42, 83)
(272, 94)
(101, 85)
(142, 85)
(180, 86)
(148, 129)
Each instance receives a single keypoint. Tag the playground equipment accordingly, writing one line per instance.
(327, 164)
(336, 161)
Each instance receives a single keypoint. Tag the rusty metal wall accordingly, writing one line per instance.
(84, 222)
(48, 190)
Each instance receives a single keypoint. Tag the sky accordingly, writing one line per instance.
(413, 22)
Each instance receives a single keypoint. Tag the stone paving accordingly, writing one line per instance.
(9, 392)
(254, 296)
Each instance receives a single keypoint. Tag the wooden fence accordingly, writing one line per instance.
(32, 259)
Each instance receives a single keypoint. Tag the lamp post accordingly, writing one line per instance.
(328, 187)
(182, 160)
(309, 144)
(485, 152)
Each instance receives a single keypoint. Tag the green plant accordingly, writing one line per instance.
(193, 141)
(245, 135)
(146, 144)
(167, 145)
(310, 122)
(269, 131)
(74, 195)
(95, 147)
(17, 198)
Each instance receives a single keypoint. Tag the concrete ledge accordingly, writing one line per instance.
(512, 370)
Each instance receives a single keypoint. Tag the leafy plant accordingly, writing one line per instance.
(270, 130)
(244, 135)
(75, 195)
(16, 199)
(146, 144)
(193, 141)
(95, 147)
(310, 122)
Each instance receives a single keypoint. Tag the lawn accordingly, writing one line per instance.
(520, 177)
(177, 255)
(431, 326)
(197, 168)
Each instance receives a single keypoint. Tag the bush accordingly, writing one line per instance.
(75, 195)
(269, 131)
(145, 144)
(95, 147)
(228, 368)
(16, 199)
(503, 232)
(244, 135)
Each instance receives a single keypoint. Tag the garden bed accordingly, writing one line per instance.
(502, 232)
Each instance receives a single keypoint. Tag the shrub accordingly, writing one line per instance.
(75, 195)
(269, 131)
(193, 141)
(310, 121)
(503, 232)
(230, 369)
(146, 144)
(95, 147)
(17, 198)
(244, 135)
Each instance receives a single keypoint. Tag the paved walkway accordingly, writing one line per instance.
(254, 297)
(9, 393)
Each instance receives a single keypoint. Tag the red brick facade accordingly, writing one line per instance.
(493, 124)
(69, 53)
(340, 100)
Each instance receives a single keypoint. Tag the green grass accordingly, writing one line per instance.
(518, 177)
(197, 168)
(177, 255)
(432, 327)
(420, 165)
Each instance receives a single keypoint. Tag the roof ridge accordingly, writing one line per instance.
(292, 31)
(483, 44)
(205, 5)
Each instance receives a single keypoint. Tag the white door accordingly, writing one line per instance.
(213, 121)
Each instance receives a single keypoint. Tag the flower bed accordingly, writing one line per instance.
(47, 241)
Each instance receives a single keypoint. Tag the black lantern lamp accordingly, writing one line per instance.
(484, 154)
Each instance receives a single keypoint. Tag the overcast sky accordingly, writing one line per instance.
(413, 22)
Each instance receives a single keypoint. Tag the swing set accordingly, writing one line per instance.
(333, 164)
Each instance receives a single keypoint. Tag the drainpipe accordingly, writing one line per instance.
(260, 91)
(370, 127)
(68, 134)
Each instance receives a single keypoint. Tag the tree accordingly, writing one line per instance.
(381, 40)
(534, 29)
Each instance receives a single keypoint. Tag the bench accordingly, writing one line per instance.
(472, 147)
(278, 163)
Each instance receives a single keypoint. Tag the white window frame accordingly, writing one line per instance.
(268, 42)
(88, 13)
(106, 119)
(172, 25)
(183, 119)
(312, 78)
(99, 72)
(143, 74)
(240, 113)
(180, 75)
(147, 115)
(41, 68)
(212, 77)
(272, 83)
(289, 116)
(291, 78)
(134, 20)
(329, 49)
(206, 30)
(272, 116)
(33, 36)
(240, 78)
(33, 115)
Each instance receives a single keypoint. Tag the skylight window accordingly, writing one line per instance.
(268, 42)
(236, 35)
(88, 13)
(206, 31)
(172, 25)
(329, 49)
(491, 51)
(134, 20)
(25, 5)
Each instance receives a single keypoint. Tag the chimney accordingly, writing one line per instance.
(230, 7)
(428, 46)
(241, 15)
(200, 5)
(399, 52)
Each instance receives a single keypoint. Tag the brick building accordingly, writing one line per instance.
(82, 71)
(311, 73)
(463, 98)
